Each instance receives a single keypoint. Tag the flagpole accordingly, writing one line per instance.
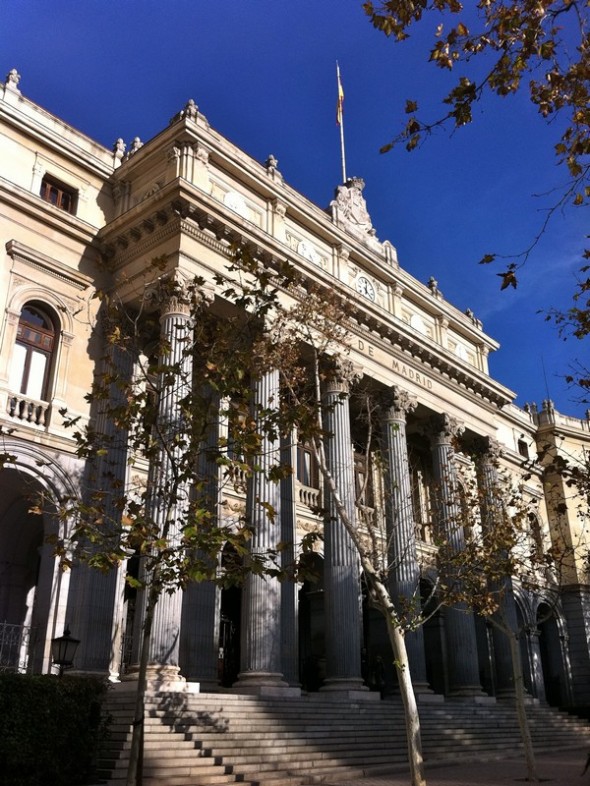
(340, 121)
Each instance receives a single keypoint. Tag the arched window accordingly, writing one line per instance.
(33, 352)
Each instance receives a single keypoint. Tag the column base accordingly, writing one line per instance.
(473, 697)
(264, 683)
(430, 698)
(211, 686)
(510, 698)
(161, 679)
(348, 688)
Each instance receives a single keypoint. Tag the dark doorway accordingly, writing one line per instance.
(312, 642)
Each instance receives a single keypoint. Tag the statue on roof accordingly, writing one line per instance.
(12, 80)
(189, 112)
(349, 209)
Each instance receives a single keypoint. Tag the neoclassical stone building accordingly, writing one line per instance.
(76, 217)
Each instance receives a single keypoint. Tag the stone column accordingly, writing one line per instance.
(97, 608)
(199, 641)
(168, 500)
(343, 610)
(459, 623)
(492, 506)
(261, 640)
(404, 579)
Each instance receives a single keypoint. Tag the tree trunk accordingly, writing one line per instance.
(136, 750)
(523, 721)
(397, 640)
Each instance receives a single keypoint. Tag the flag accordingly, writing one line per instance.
(340, 104)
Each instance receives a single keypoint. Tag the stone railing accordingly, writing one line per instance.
(423, 532)
(366, 517)
(310, 497)
(28, 410)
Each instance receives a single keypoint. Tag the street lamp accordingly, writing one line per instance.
(63, 649)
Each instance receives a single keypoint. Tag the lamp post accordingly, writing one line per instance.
(63, 650)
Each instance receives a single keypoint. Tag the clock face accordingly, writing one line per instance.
(365, 288)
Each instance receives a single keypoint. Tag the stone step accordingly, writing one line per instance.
(206, 740)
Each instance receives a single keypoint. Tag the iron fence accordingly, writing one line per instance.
(15, 646)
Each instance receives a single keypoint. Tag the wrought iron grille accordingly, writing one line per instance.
(15, 646)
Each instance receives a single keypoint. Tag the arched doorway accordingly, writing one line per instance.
(550, 645)
(528, 654)
(485, 654)
(24, 590)
(312, 642)
(228, 664)
(434, 641)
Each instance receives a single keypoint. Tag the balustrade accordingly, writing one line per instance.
(29, 410)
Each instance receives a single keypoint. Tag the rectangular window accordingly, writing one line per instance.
(17, 368)
(59, 194)
(307, 470)
(37, 371)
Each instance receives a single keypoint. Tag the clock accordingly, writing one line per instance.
(365, 288)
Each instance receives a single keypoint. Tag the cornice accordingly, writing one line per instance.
(58, 220)
(253, 175)
(134, 234)
(21, 252)
(30, 119)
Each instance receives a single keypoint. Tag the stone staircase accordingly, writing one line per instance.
(210, 739)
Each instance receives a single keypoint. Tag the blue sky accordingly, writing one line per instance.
(263, 72)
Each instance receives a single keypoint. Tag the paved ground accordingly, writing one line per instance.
(555, 769)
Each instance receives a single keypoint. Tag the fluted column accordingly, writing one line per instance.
(404, 579)
(260, 668)
(459, 623)
(492, 506)
(168, 499)
(96, 614)
(342, 581)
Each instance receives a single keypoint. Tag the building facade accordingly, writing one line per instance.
(75, 218)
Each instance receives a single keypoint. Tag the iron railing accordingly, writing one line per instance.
(15, 647)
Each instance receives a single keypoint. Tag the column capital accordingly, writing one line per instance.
(178, 294)
(443, 429)
(397, 403)
(490, 450)
(341, 374)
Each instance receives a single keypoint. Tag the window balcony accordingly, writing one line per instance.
(28, 410)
